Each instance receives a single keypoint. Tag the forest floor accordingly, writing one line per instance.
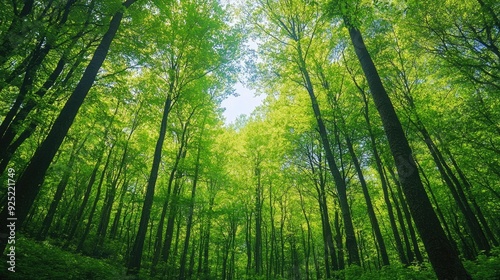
(45, 261)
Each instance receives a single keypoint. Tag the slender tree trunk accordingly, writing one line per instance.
(94, 205)
(116, 220)
(234, 227)
(411, 230)
(29, 183)
(468, 249)
(110, 199)
(103, 225)
(478, 210)
(83, 205)
(295, 273)
(442, 256)
(7, 129)
(272, 245)
(438, 208)
(338, 240)
(189, 224)
(380, 171)
(88, 190)
(330, 251)
(169, 233)
(8, 149)
(306, 241)
(206, 248)
(135, 258)
(61, 187)
(159, 234)
(401, 220)
(456, 190)
(258, 223)
(369, 205)
(41, 50)
(282, 240)
(225, 257)
(351, 244)
(392, 219)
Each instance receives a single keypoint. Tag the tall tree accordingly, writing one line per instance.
(291, 19)
(185, 70)
(443, 257)
(30, 181)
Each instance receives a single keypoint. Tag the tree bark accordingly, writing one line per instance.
(442, 256)
(351, 244)
(189, 224)
(29, 183)
(369, 205)
(258, 222)
(97, 198)
(109, 199)
(135, 258)
(7, 128)
(61, 187)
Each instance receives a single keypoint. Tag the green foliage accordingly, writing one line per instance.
(192, 50)
(391, 272)
(485, 267)
(41, 260)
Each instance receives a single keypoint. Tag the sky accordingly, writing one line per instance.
(244, 103)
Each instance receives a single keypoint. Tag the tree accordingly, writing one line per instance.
(32, 177)
(298, 24)
(183, 70)
(151, 178)
(443, 257)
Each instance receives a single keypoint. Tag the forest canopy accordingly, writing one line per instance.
(374, 155)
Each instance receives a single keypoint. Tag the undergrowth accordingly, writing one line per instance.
(41, 260)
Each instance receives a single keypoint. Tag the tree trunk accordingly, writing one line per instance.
(107, 207)
(97, 197)
(442, 256)
(88, 190)
(401, 220)
(159, 234)
(29, 183)
(411, 229)
(206, 248)
(438, 208)
(15, 32)
(351, 244)
(478, 210)
(369, 205)
(456, 190)
(331, 261)
(7, 129)
(116, 220)
(134, 262)
(189, 224)
(61, 187)
(169, 233)
(306, 241)
(258, 223)
(83, 205)
(39, 54)
(338, 240)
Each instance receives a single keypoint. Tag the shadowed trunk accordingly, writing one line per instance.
(442, 256)
(29, 183)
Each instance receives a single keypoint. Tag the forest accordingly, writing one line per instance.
(375, 153)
